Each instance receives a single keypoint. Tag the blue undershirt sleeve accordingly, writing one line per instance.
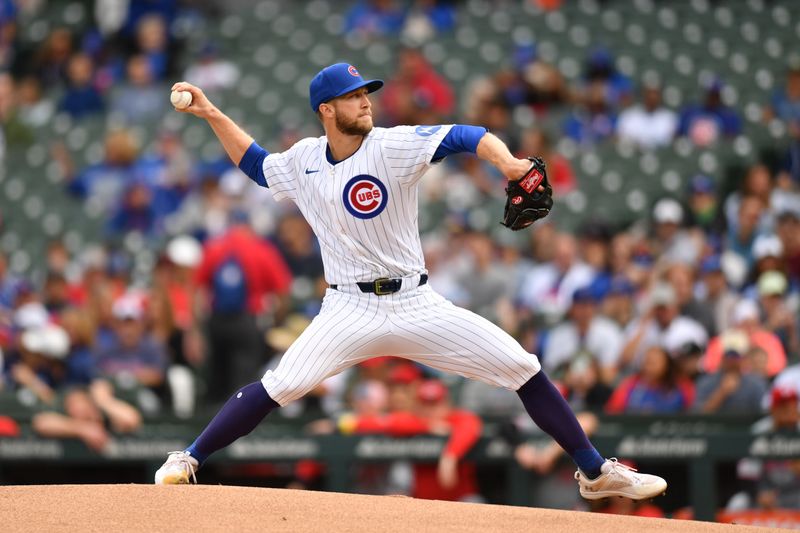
(252, 164)
(461, 138)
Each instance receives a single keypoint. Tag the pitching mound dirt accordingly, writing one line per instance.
(134, 508)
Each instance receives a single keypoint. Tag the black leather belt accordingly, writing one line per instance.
(383, 286)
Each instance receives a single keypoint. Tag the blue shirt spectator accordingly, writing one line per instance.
(785, 103)
(707, 122)
(596, 122)
(375, 17)
(81, 98)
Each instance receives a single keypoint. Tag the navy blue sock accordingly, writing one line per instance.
(238, 417)
(550, 411)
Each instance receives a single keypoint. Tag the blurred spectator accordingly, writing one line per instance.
(152, 41)
(211, 72)
(658, 387)
(373, 18)
(705, 123)
(12, 129)
(299, 248)
(49, 63)
(601, 71)
(548, 288)
(660, 325)
(730, 389)
(757, 183)
(8, 286)
(426, 18)
(33, 109)
(788, 230)
(39, 366)
(586, 335)
(618, 304)
(81, 97)
(784, 412)
(689, 358)
(417, 94)
(535, 142)
(716, 293)
(132, 357)
(682, 278)
(203, 212)
(767, 255)
(495, 280)
(649, 124)
(140, 99)
(58, 258)
(165, 10)
(595, 121)
(532, 82)
(240, 193)
(59, 375)
(239, 273)
(789, 171)
(102, 184)
(630, 259)
(594, 242)
(403, 380)
(55, 292)
(705, 209)
(747, 325)
(134, 213)
(8, 32)
(743, 232)
(778, 317)
(779, 484)
(451, 479)
(175, 282)
(671, 242)
(785, 104)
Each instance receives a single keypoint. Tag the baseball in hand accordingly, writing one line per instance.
(181, 99)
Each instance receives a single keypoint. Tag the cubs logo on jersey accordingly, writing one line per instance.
(364, 196)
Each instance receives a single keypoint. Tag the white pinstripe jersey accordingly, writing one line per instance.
(362, 209)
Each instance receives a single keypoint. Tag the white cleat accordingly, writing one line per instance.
(177, 470)
(620, 480)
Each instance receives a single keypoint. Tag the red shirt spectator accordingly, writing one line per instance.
(417, 95)
(656, 388)
(451, 479)
(264, 268)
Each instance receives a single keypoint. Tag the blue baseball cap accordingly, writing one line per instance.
(336, 80)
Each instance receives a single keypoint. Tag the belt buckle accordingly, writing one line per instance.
(378, 290)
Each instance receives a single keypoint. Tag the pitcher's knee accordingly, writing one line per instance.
(526, 368)
(284, 390)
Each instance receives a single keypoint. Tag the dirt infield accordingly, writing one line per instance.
(218, 508)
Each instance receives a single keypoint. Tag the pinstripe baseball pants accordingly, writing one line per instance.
(414, 323)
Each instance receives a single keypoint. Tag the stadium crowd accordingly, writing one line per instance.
(694, 310)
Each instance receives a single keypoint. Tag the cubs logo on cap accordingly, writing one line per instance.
(364, 196)
(337, 80)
